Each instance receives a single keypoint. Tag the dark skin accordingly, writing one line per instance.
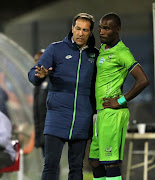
(109, 35)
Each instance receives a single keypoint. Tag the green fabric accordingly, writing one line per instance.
(109, 135)
(75, 99)
(101, 178)
(114, 178)
(112, 68)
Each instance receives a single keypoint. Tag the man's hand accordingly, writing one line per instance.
(111, 103)
(42, 72)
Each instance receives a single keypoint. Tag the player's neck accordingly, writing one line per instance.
(112, 44)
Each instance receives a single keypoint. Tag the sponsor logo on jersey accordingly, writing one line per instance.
(68, 57)
(108, 151)
(101, 61)
(110, 56)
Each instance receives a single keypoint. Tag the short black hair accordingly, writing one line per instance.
(85, 16)
(114, 17)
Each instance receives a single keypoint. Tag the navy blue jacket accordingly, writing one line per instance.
(71, 88)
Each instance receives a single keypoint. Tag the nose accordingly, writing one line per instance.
(81, 32)
(102, 31)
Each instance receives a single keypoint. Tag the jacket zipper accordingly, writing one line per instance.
(75, 98)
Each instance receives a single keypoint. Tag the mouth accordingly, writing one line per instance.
(80, 39)
(102, 37)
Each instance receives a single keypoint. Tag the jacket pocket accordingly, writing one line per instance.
(50, 100)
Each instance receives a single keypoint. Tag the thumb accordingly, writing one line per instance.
(50, 68)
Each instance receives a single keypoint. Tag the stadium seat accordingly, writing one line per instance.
(16, 164)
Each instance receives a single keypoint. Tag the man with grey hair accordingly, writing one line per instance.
(71, 67)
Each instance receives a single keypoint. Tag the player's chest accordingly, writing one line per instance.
(107, 61)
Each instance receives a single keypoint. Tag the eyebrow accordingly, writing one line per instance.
(82, 28)
(103, 26)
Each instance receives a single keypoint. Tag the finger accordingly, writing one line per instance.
(104, 99)
(50, 69)
(42, 68)
(38, 71)
(38, 75)
(37, 67)
(106, 106)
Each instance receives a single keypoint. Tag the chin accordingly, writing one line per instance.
(104, 42)
(80, 45)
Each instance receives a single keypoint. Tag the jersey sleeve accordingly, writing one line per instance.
(127, 60)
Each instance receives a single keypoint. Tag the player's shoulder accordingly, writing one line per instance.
(122, 48)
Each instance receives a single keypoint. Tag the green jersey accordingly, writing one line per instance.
(113, 66)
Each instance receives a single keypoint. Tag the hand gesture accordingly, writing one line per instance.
(110, 103)
(42, 72)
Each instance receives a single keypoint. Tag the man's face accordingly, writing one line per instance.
(109, 31)
(81, 32)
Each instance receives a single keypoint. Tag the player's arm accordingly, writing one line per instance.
(141, 81)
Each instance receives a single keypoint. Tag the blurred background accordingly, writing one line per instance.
(30, 25)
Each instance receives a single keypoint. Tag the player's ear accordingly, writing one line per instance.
(118, 29)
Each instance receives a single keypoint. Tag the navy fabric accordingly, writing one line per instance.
(64, 57)
(113, 171)
(53, 151)
(52, 154)
(99, 171)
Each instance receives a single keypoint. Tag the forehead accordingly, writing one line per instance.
(107, 22)
(83, 23)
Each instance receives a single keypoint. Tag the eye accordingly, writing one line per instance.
(77, 28)
(86, 30)
(106, 28)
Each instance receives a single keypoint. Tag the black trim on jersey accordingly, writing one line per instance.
(110, 162)
(115, 43)
(132, 66)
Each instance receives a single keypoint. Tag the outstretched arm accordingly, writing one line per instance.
(141, 81)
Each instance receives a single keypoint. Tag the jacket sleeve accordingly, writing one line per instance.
(92, 94)
(47, 60)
